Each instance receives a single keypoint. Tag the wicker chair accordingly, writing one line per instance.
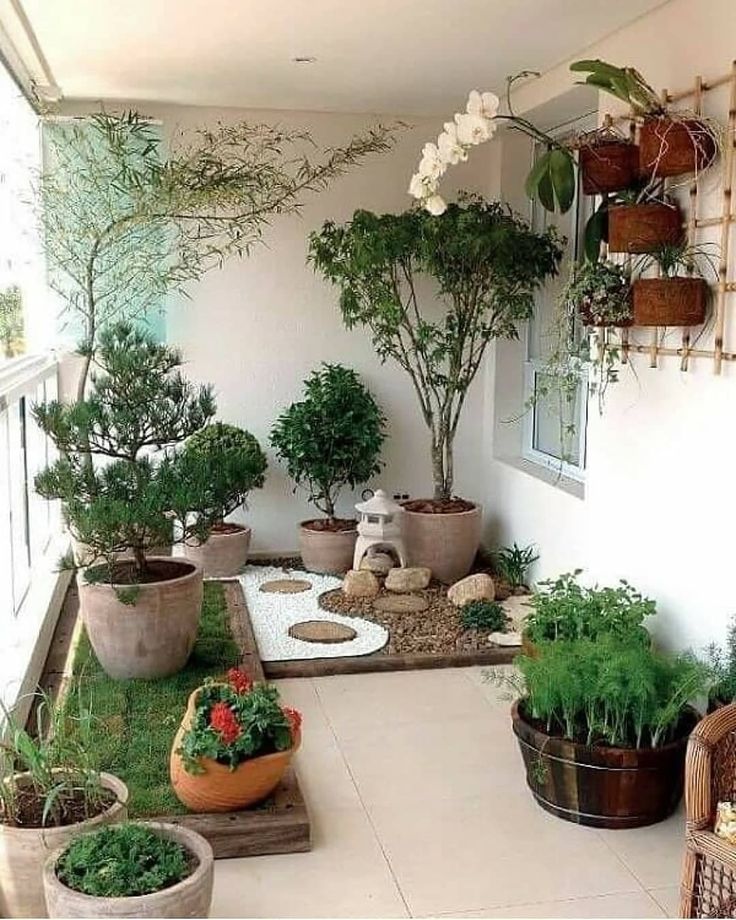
(709, 871)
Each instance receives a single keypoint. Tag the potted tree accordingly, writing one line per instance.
(486, 265)
(233, 746)
(679, 296)
(330, 439)
(122, 485)
(602, 726)
(131, 870)
(242, 464)
(50, 792)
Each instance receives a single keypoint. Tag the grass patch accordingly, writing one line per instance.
(137, 719)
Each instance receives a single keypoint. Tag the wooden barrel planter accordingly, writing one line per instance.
(643, 227)
(674, 147)
(603, 786)
(669, 301)
(608, 167)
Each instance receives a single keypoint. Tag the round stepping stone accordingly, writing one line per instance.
(286, 586)
(400, 603)
(322, 631)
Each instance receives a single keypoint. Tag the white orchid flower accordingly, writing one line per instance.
(484, 104)
(436, 205)
(473, 129)
(431, 165)
(421, 186)
(450, 149)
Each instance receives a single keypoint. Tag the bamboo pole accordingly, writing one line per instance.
(720, 322)
(654, 347)
(692, 218)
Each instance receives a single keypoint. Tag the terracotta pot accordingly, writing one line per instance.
(218, 788)
(152, 637)
(327, 551)
(672, 147)
(24, 850)
(84, 556)
(602, 786)
(191, 897)
(670, 301)
(608, 167)
(222, 554)
(643, 227)
(445, 543)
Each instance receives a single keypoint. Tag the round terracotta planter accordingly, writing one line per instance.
(153, 636)
(602, 786)
(445, 543)
(643, 227)
(83, 555)
(223, 554)
(218, 788)
(672, 147)
(608, 167)
(670, 301)
(327, 551)
(24, 850)
(191, 897)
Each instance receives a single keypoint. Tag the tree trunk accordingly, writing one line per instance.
(139, 562)
(442, 479)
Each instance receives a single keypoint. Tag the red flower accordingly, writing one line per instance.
(223, 720)
(295, 719)
(239, 680)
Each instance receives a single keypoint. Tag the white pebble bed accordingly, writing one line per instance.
(272, 614)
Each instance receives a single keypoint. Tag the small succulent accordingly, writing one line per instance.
(484, 614)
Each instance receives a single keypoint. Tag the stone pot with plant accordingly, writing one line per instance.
(242, 464)
(233, 746)
(146, 869)
(485, 265)
(330, 439)
(50, 793)
(122, 484)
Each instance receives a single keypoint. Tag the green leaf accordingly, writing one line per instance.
(545, 192)
(595, 230)
(562, 174)
(536, 174)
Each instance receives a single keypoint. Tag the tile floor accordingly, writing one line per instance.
(419, 808)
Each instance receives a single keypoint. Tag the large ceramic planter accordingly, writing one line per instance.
(602, 786)
(608, 167)
(191, 897)
(24, 850)
(669, 301)
(674, 147)
(217, 788)
(445, 543)
(83, 555)
(223, 554)
(327, 551)
(643, 227)
(153, 635)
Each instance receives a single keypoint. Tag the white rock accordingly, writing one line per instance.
(507, 638)
(404, 581)
(360, 584)
(478, 587)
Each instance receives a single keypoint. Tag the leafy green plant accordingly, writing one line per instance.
(723, 665)
(11, 321)
(332, 438)
(600, 292)
(123, 861)
(485, 615)
(513, 562)
(677, 259)
(566, 610)
(625, 83)
(486, 265)
(62, 785)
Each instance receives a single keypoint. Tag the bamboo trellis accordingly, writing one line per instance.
(695, 224)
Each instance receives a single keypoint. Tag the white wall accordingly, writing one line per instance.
(659, 494)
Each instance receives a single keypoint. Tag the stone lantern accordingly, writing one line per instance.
(379, 528)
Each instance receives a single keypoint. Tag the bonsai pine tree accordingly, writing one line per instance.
(331, 438)
(486, 265)
(119, 478)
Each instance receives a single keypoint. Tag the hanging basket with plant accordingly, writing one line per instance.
(679, 297)
(637, 223)
(600, 292)
(608, 162)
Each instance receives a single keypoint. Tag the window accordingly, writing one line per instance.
(549, 440)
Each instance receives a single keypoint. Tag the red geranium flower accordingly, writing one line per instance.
(295, 719)
(239, 680)
(223, 720)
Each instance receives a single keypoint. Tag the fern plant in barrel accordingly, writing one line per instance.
(125, 491)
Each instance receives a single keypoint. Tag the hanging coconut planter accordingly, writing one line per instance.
(675, 146)
(670, 301)
(643, 227)
(608, 166)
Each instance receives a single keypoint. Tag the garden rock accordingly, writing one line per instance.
(404, 581)
(378, 563)
(478, 587)
(360, 584)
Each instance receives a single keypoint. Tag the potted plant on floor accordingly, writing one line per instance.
(602, 726)
(132, 870)
(122, 486)
(486, 265)
(330, 439)
(679, 296)
(50, 792)
(238, 455)
(233, 746)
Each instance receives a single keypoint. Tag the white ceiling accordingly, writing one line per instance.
(395, 56)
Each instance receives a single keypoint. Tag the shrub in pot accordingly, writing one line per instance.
(132, 870)
(50, 792)
(242, 465)
(679, 296)
(233, 746)
(330, 439)
(602, 726)
(122, 485)
(485, 265)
